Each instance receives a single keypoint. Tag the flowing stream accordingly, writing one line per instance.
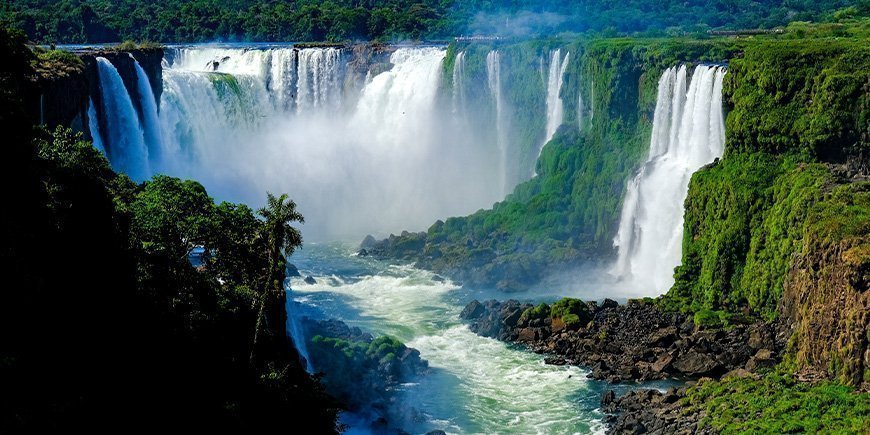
(477, 384)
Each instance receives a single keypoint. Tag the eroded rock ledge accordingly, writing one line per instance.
(634, 341)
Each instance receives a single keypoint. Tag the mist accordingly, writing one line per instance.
(521, 24)
(377, 155)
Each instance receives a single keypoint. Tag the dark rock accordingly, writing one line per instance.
(291, 270)
(310, 280)
(362, 253)
(368, 242)
(473, 310)
(609, 304)
(694, 363)
(438, 278)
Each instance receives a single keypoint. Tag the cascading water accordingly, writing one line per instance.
(294, 327)
(380, 163)
(688, 132)
(150, 120)
(459, 83)
(319, 78)
(124, 138)
(94, 127)
(493, 77)
(555, 108)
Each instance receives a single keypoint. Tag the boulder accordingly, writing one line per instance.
(472, 311)
(609, 304)
(310, 280)
(291, 270)
(694, 363)
(368, 243)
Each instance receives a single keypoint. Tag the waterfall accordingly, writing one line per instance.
(458, 84)
(688, 132)
(283, 78)
(294, 327)
(493, 77)
(94, 127)
(319, 78)
(150, 120)
(124, 138)
(555, 107)
(579, 111)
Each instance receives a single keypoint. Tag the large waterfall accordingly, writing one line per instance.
(458, 84)
(150, 121)
(555, 107)
(688, 132)
(124, 138)
(493, 76)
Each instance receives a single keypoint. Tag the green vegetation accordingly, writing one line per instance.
(358, 373)
(778, 404)
(104, 262)
(84, 21)
(569, 310)
(569, 212)
(795, 104)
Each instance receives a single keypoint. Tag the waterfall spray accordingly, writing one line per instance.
(150, 120)
(688, 132)
(458, 84)
(124, 139)
(319, 78)
(294, 327)
(493, 75)
(555, 107)
(94, 127)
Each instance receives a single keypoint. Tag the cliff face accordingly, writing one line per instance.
(780, 226)
(827, 302)
(63, 87)
(568, 214)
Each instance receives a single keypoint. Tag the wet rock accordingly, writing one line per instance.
(291, 270)
(368, 242)
(473, 310)
(310, 280)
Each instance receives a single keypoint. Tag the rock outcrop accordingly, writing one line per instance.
(635, 341)
(826, 301)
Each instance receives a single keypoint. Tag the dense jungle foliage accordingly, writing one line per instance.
(105, 320)
(89, 21)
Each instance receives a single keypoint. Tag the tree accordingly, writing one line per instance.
(282, 239)
(271, 343)
(173, 216)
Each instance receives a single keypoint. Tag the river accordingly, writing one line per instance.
(476, 384)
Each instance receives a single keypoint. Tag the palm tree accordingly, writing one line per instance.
(282, 239)
(270, 339)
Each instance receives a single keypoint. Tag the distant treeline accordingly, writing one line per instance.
(92, 21)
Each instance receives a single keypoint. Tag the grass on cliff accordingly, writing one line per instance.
(779, 404)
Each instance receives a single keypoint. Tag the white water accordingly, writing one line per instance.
(555, 107)
(124, 138)
(381, 164)
(150, 121)
(294, 327)
(319, 78)
(477, 385)
(459, 106)
(688, 132)
(493, 77)
(94, 127)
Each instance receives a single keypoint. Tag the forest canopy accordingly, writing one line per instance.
(94, 21)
